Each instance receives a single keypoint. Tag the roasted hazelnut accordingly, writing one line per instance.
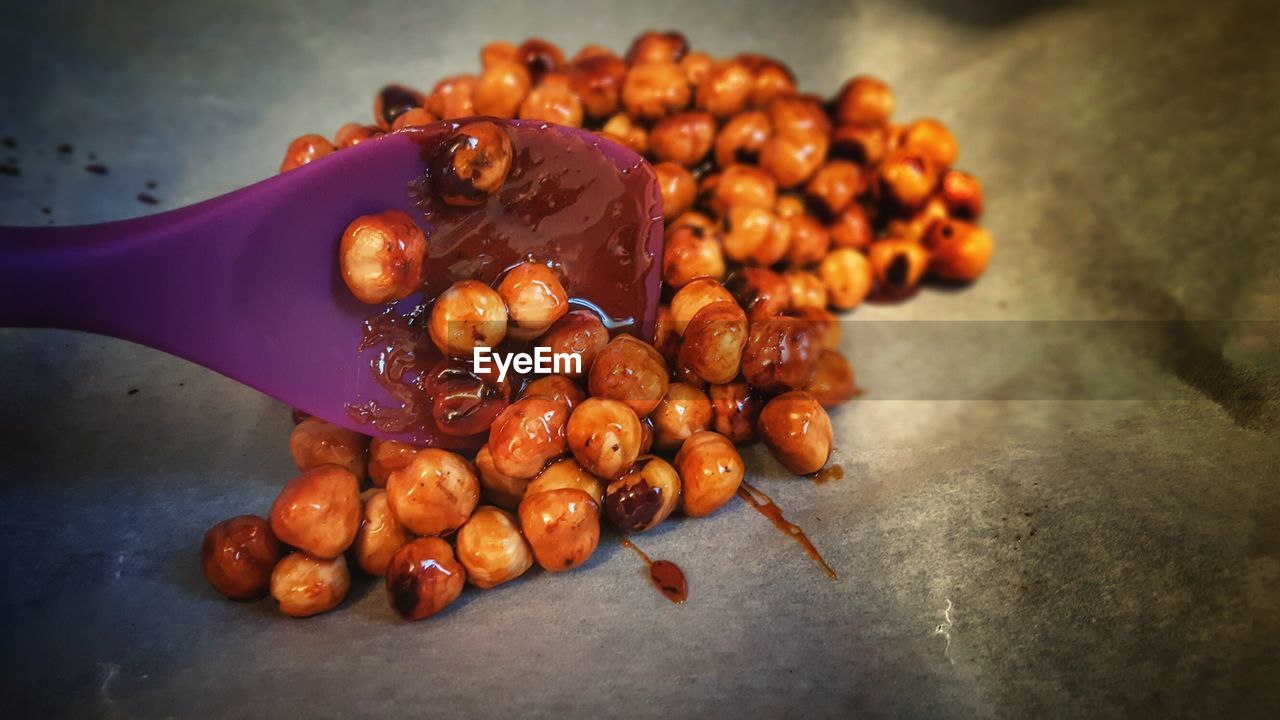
(789, 206)
(423, 577)
(958, 250)
(916, 226)
(628, 132)
(735, 406)
(237, 557)
(655, 90)
(318, 511)
(304, 585)
(646, 436)
(743, 186)
(353, 134)
(797, 431)
(566, 473)
(535, 299)
(653, 46)
(798, 114)
(380, 534)
(604, 436)
(932, 139)
(387, 456)
(683, 138)
(772, 79)
(540, 57)
(472, 163)
(527, 435)
(305, 149)
(499, 51)
(597, 80)
(794, 158)
(453, 97)
(644, 497)
(665, 338)
(761, 293)
(464, 400)
(780, 354)
(553, 101)
(435, 493)
(556, 387)
(825, 324)
(847, 276)
(498, 489)
(710, 470)
(861, 144)
(417, 117)
(713, 342)
(579, 333)
(741, 138)
(897, 265)
(962, 194)
(807, 240)
(492, 548)
(835, 185)
(804, 289)
(695, 221)
(851, 228)
(468, 315)
(684, 411)
(696, 67)
(907, 178)
(630, 371)
(679, 189)
(726, 89)
(864, 100)
(562, 526)
(381, 256)
(501, 89)
(694, 296)
(833, 382)
(756, 235)
(314, 442)
(392, 101)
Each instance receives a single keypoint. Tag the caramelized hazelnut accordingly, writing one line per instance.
(958, 250)
(741, 138)
(579, 333)
(472, 163)
(835, 185)
(237, 557)
(696, 67)
(756, 235)
(314, 442)
(381, 256)
(897, 265)
(392, 101)
(710, 471)
(558, 388)
(597, 80)
(387, 456)
(468, 315)
(540, 57)
(380, 534)
(691, 255)
(423, 577)
(789, 206)
(792, 159)
(713, 342)
(630, 371)
(499, 52)
(553, 101)
(501, 490)
(864, 100)
(734, 410)
(772, 79)
(761, 293)
(683, 138)
(653, 46)
(304, 585)
(665, 338)
(684, 411)
(305, 149)
(907, 178)
(562, 526)
(962, 194)
(824, 323)
(695, 221)
(644, 497)
(628, 132)
(932, 139)
(353, 134)
(604, 436)
(318, 511)
(464, 401)
(694, 296)
(502, 88)
(780, 354)
(726, 89)
(435, 493)
(535, 299)
(861, 144)
(655, 90)
(679, 189)
(743, 186)
(851, 228)
(797, 431)
(492, 549)
(453, 97)
(798, 114)
(528, 434)
(805, 290)
(566, 473)
(417, 117)
(833, 382)
(807, 240)
(646, 436)
(847, 276)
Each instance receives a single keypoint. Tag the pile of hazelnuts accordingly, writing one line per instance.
(780, 208)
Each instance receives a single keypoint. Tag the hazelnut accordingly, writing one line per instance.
(864, 100)
(392, 101)
(423, 577)
(380, 534)
(756, 235)
(861, 144)
(835, 185)
(318, 511)
(453, 97)
(694, 296)
(743, 186)
(528, 434)
(604, 436)
(897, 265)
(807, 240)
(695, 221)
(492, 549)
(691, 255)
(502, 88)
(553, 101)
(780, 354)
(932, 139)
(304, 585)
(683, 411)
(469, 314)
(789, 206)
(798, 114)
(237, 557)
(387, 456)
(566, 473)
(417, 117)
(696, 66)
(534, 297)
(646, 436)
(499, 52)
(653, 46)
(579, 333)
(805, 290)
(472, 163)
(628, 132)
(772, 78)
(540, 57)
(314, 442)
(464, 401)
(558, 388)
(761, 293)
(794, 158)
(916, 226)
(683, 138)
(735, 407)
(562, 526)
(435, 493)
(741, 139)
(679, 189)
(726, 89)
(833, 382)
(353, 134)
(643, 497)
(597, 80)
(654, 90)
(713, 342)
(958, 250)
(710, 470)
(851, 228)
(825, 325)
(962, 194)
(907, 178)
(797, 431)
(381, 257)
(305, 149)
(498, 489)
(846, 273)
(630, 371)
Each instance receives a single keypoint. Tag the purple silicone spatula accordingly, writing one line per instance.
(247, 284)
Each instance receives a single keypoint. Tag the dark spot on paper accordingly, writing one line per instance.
(93, 156)
(152, 185)
(97, 169)
(10, 142)
(147, 199)
(46, 210)
(65, 149)
(132, 391)
(7, 169)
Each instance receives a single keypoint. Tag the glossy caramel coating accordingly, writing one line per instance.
(643, 497)
(435, 493)
(711, 471)
(423, 578)
(492, 549)
(319, 511)
(630, 371)
(797, 430)
(562, 526)
(527, 435)
(237, 557)
(604, 436)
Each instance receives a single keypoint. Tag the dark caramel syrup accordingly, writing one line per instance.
(827, 474)
(765, 506)
(667, 577)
